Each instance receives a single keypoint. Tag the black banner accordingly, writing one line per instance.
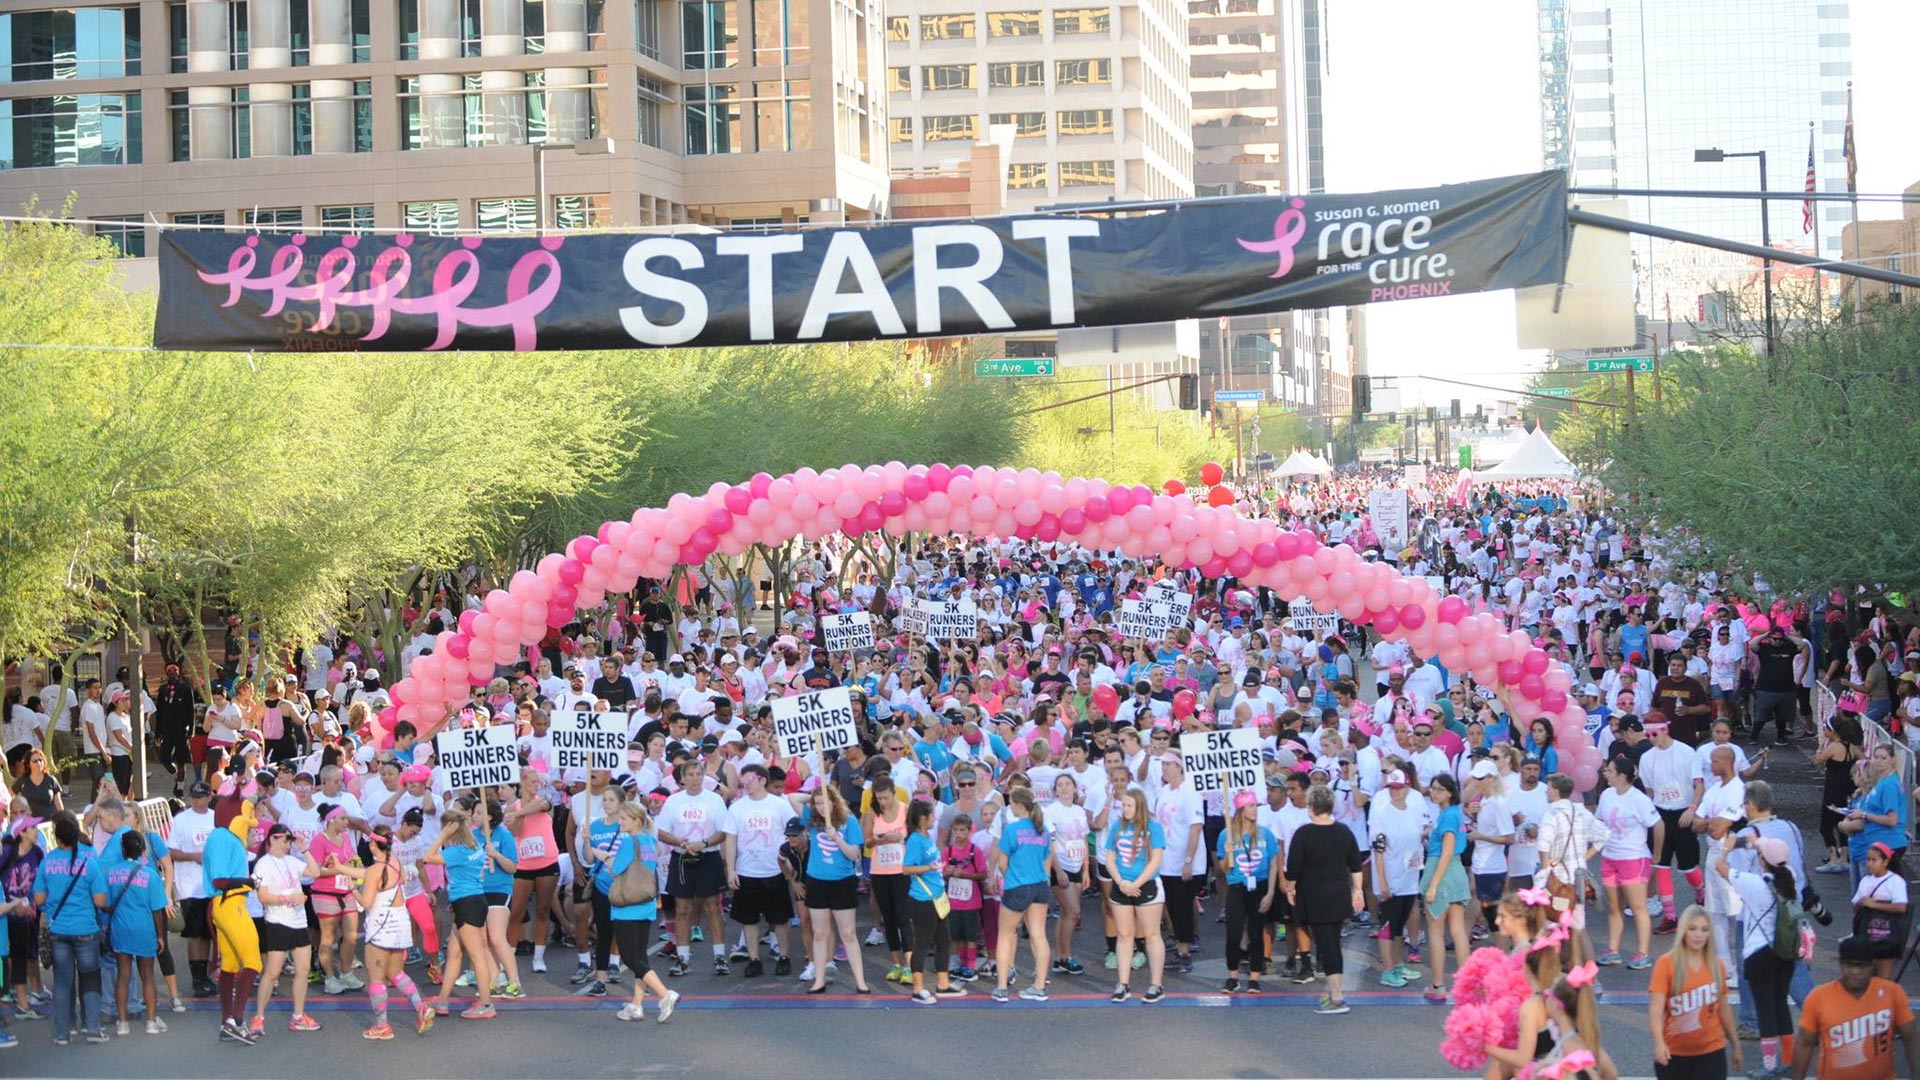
(941, 279)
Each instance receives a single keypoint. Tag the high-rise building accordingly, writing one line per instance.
(424, 114)
(1259, 68)
(1090, 95)
(1630, 89)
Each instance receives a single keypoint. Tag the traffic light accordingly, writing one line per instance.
(1189, 392)
(1362, 397)
(1456, 408)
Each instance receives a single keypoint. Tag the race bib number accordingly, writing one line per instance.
(533, 847)
(339, 883)
(889, 857)
(693, 821)
(959, 889)
(1668, 794)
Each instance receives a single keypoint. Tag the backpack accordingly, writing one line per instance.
(1792, 931)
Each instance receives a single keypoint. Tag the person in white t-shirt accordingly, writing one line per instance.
(1179, 809)
(185, 842)
(752, 851)
(694, 824)
(1626, 860)
(1491, 831)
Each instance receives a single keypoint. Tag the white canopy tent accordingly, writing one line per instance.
(1302, 463)
(1536, 458)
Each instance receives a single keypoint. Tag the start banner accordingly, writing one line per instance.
(1211, 259)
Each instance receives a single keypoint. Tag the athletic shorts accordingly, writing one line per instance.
(762, 898)
(1625, 871)
(1149, 894)
(1679, 846)
(1065, 879)
(697, 877)
(1489, 888)
(1395, 911)
(1021, 897)
(499, 899)
(838, 895)
(470, 911)
(277, 938)
(552, 870)
(332, 906)
(194, 913)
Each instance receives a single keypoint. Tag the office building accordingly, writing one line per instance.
(1630, 89)
(1090, 94)
(424, 114)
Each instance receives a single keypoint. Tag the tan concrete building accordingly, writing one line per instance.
(1890, 245)
(1092, 93)
(425, 114)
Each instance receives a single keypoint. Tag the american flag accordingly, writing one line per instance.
(1806, 206)
(1846, 147)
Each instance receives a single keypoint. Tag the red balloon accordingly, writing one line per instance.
(1174, 487)
(1183, 704)
(1211, 473)
(1106, 699)
(1220, 496)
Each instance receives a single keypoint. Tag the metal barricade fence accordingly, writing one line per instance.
(1875, 736)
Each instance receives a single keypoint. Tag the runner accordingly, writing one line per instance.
(389, 933)
(465, 851)
(1443, 883)
(830, 884)
(1024, 860)
(1851, 1023)
(334, 902)
(283, 926)
(1136, 845)
(928, 909)
(632, 923)
(224, 861)
(1247, 852)
(1691, 1017)
(1068, 828)
(1321, 860)
(536, 872)
(1626, 860)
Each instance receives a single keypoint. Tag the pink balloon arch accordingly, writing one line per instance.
(989, 502)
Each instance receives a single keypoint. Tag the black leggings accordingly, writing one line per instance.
(1244, 916)
(602, 929)
(166, 950)
(1767, 977)
(931, 940)
(1180, 894)
(1693, 1067)
(1326, 947)
(890, 893)
(632, 936)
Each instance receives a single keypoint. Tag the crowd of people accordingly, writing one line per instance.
(1031, 770)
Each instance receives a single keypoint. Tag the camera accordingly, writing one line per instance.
(1380, 843)
(1817, 908)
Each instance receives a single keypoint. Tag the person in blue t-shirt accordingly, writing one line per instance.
(503, 855)
(926, 893)
(633, 923)
(1444, 883)
(125, 894)
(603, 840)
(64, 894)
(466, 853)
(1135, 845)
(1884, 810)
(1245, 853)
(830, 887)
(1024, 857)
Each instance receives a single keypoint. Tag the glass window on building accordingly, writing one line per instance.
(179, 126)
(347, 219)
(783, 115)
(362, 15)
(1082, 72)
(299, 33)
(1027, 174)
(1013, 24)
(899, 129)
(1082, 21)
(467, 28)
(438, 217)
(505, 215)
(242, 126)
(709, 34)
(363, 116)
(948, 77)
(946, 27)
(533, 26)
(272, 218)
(900, 79)
(582, 211)
(177, 38)
(780, 32)
(201, 218)
(899, 28)
(1086, 173)
(652, 113)
(1084, 122)
(712, 116)
(1026, 125)
(238, 48)
(88, 43)
(943, 128)
(69, 131)
(126, 232)
(646, 27)
(1009, 74)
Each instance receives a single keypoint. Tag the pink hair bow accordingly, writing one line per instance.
(1552, 938)
(1537, 897)
(1584, 974)
(1573, 1063)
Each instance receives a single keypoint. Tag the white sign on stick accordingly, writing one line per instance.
(478, 757)
(1388, 509)
(815, 720)
(1225, 761)
(845, 633)
(953, 620)
(589, 741)
(1305, 618)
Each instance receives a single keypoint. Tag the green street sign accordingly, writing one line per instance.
(1602, 364)
(987, 369)
(1555, 391)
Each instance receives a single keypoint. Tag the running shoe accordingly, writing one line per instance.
(1639, 962)
(1231, 986)
(1034, 993)
(1154, 993)
(950, 991)
(581, 975)
(630, 1011)
(1074, 967)
(303, 1022)
(613, 973)
(666, 1005)
(28, 1012)
(1392, 977)
(480, 1012)
(230, 1030)
(122, 1028)
(1304, 973)
(594, 989)
(1112, 962)
(875, 936)
(62, 1040)
(924, 997)
(336, 987)
(966, 974)
(1331, 1006)
(699, 935)
(1831, 868)
(1610, 958)
(739, 951)
(1479, 933)
(1058, 967)
(8, 1040)
(99, 1036)
(511, 990)
(464, 982)
(1120, 993)
(720, 967)
(434, 972)
(840, 952)
(783, 966)
(423, 1020)
(539, 965)
(1362, 919)
(680, 967)
(1252, 990)
(1001, 995)
(179, 1006)
(1435, 993)
(806, 973)
(1409, 973)
(898, 974)
(1666, 926)
(1414, 955)
(1139, 959)
(44, 997)
(755, 969)
(257, 1026)
(378, 1032)
(353, 982)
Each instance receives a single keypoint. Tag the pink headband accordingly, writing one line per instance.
(336, 812)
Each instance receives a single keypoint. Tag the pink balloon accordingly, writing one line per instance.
(1535, 663)
(1073, 521)
(1511, 671)
(718, 520)
(1479, 657)
(1049, 528)
(1413, 616)
(1140, 518)
(1027, 512)
(1286, 547)
(1265, 554)
(1532, 686)
(1342, 585)
(1452, 610)
(1240, 564)
(458, 645)
(1098, 509)
(938, 476)
(1386, 621)
(1213, 567)
(915, 486)
(760, 485)
(1553, 700)
(466, 621)
(893, 503)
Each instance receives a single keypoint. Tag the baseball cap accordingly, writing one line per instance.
(794, 827)
(1483, 769)
(1772, 850)
(200, 790)
(1276, 780)
(676, 658)
(1244, 799)
(1589, 690)
(1631, 723)
(1855, 950)
(731, 736)
(1396, 778)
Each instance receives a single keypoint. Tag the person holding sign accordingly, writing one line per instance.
(830, 892)
(465, 852)
(1135, 846)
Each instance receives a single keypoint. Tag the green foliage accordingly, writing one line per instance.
(1144, 445)
(1798, 470)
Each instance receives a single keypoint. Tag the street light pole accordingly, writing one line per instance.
(1766, 229)
(589, 148)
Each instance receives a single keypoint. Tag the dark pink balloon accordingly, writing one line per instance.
(1049, 528)
(1073, 520)
(718, 520)
(1024, 532)
(872, 516)
(1386, 621)
(915, 487)
(466, 621)
(937, 477)
(1120, 500)
(583, 548)
(1265, 554)
(457, 646)
(963, 470)
(1413, 616)
(571, 572)
(689, 555)
(1532, 685)
(559, 614)
(1214, 567)
(564, 593)
(601, 533)
(1142, 495)
(893, 503)
(1535, 663)
(738, 499)
(478, 680)
(1240, 563)
(1286, 546)
(704, 539)
(1098, 510)
(1553, 700)
(1452, 609)
(759, 485)
(1510, 671)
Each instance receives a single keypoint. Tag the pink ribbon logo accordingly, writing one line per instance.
(1288, 228)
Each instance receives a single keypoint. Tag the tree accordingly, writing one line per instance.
(1798, 471)
(1131, 443)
